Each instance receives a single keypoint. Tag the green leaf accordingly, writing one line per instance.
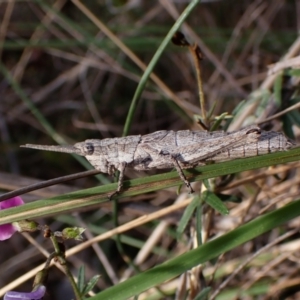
(206, 183)
(90, 285)
(203, 294)
(294, 115)
(81, 279)
(211, 110)
(219, 119)
(188, 213)
(215, 202)
(199, 214)
(287, 124)
(294, 72)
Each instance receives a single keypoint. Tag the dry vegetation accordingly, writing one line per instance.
(79, 65)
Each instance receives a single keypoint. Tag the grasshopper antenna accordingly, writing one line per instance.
(64, 149)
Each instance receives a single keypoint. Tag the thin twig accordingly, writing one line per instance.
(47, 183)
(295, 106)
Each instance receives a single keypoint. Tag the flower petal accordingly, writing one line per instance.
(34, 295)
(6, 231)
(12, 202)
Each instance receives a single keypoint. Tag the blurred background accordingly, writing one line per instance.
(71, 68)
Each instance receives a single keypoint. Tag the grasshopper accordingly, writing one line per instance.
(173, 149)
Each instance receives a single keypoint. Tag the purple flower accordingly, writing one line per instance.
(7, 230)
(37, 294)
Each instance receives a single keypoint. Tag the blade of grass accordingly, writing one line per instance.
(188, 213)
(215, 202)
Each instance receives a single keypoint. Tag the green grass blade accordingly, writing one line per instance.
(215, 202)
(203, 295)
(81, 278)
(188, 213)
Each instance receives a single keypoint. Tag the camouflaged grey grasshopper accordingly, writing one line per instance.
(170, 149)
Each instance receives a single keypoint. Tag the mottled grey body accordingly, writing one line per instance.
(167, 149)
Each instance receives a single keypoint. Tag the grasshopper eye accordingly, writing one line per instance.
(88, 149)
(254, 130)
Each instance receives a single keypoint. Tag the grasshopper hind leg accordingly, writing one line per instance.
(178, 168)
(181, 174)
(120, 181)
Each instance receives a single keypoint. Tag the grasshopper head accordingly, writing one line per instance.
(84, 148)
